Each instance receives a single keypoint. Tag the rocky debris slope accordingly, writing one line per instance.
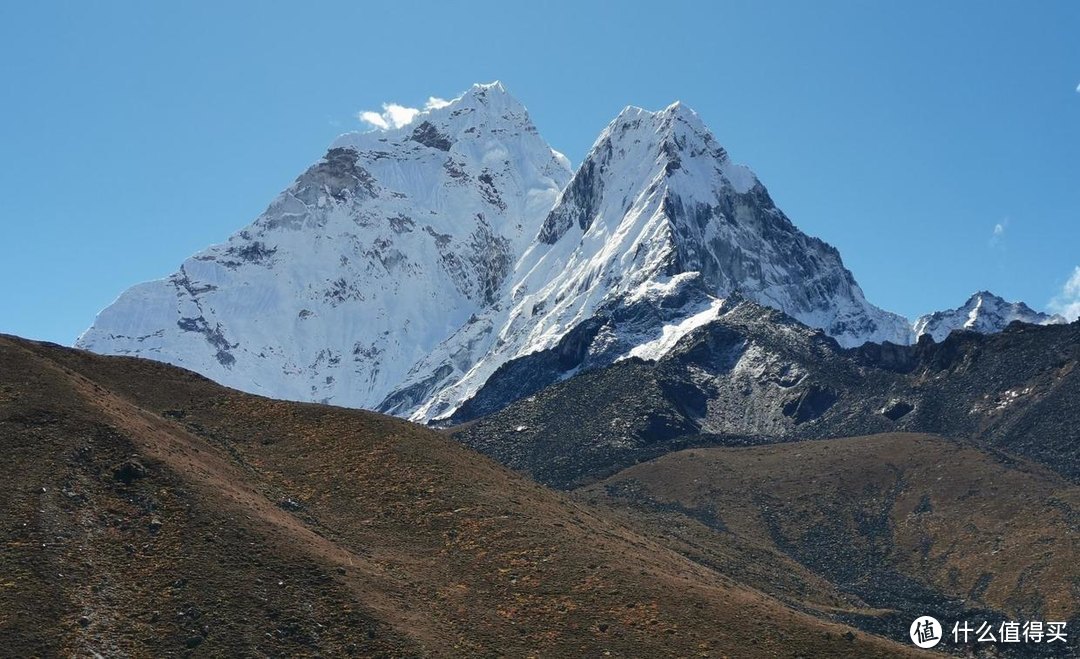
(753, 375)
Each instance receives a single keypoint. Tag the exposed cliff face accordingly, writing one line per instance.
(373, 256)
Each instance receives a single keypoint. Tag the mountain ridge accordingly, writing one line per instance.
(411, 264)
(657, 207)
(755, 376)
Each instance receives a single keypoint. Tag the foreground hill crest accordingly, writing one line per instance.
(153, 513)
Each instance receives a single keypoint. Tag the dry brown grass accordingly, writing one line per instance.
(980, 527)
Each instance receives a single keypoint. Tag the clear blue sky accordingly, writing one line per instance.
(133, 134)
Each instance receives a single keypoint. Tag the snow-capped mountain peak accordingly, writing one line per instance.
(983, 312)
(481, 106)
(374, 255)
(412, 262)
(643, 147)
(655, 228)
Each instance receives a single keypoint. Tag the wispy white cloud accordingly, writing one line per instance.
(373, 118)
(392, 116)
(997, 235)
(396, 116)
(1067, 302)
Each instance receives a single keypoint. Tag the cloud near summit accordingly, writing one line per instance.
(396, 116)
(1067, 302)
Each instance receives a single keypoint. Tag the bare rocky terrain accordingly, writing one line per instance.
(756, 376)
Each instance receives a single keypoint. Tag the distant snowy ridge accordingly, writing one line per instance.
(983, 312)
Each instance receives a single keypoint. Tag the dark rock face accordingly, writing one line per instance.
(717, 350)
(479, 271)
(566, 443)
(492, 260)
(809, 405)
(339, 174)
(888, 356)
(254, 252)
(896, 409)
(292, 505)
(756, 376)
(580, 199)
(741, 242)
(490, 191)
(408, 397)
(428, 135)
(523, 377)
(214, 336)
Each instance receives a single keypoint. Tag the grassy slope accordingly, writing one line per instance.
(891, 519)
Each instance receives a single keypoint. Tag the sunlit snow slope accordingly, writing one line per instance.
(373, 256)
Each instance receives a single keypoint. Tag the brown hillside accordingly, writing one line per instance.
(914, 523)
(149, 512)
